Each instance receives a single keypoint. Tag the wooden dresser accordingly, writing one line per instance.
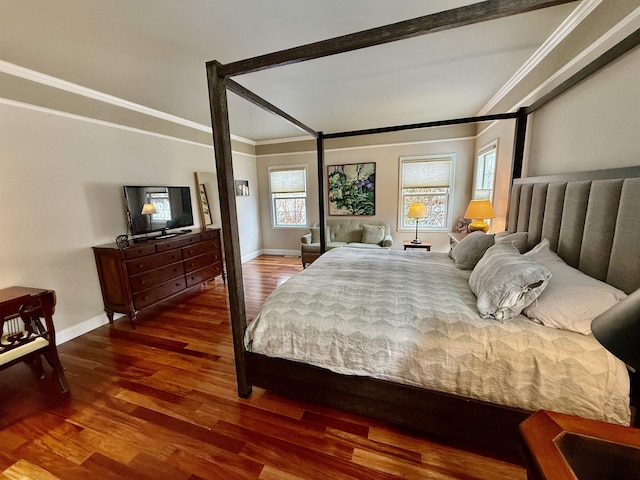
(141, 275)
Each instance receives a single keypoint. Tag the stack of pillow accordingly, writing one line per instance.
(508, 280)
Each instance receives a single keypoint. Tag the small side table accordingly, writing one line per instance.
(557, 446)
(407, 244)
(455, 237)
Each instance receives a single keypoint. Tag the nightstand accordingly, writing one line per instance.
(455, 237)
(557, 446)
(407, 244)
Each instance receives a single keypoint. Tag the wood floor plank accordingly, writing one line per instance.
(161, 402)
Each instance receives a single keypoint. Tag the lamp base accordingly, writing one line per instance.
(478, 225)
(415, 240)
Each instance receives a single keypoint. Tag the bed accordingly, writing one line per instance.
(594, 233)
(463, 377)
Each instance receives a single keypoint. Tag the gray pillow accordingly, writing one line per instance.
(518, 238)
(315, 235)
(372, 234)
(471, 249)
(506, 282)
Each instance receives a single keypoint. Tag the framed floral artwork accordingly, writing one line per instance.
(352, 189)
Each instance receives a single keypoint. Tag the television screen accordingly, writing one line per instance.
(157, 209)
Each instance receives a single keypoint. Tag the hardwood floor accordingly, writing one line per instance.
(160, 402)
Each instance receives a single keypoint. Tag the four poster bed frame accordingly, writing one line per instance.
(464, 420)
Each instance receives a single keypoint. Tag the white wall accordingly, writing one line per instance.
(592, 126)
(61, 193)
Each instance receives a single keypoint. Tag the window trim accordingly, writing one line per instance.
(449, 216)
(300, 166)
(492, 145)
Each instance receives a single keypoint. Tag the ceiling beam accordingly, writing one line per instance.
(437, 22)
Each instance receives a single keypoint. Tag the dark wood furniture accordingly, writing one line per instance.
(425, 245)
(565, 447)
(24, 337)
(146, 273)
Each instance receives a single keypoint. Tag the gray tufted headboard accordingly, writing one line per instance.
(592, 220)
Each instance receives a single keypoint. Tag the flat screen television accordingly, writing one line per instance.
(157, 209)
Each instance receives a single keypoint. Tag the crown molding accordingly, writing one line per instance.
(50, 81)
(576, 17)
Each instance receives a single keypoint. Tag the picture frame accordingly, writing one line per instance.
(204, 202)
(242, 188)
(351, 189)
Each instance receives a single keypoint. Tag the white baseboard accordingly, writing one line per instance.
(289, 253)
(83, 327)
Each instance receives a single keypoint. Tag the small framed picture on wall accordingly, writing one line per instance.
(242, 188)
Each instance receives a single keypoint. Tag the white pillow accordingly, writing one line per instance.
(572, 299)
(505, 281)
(518, 238)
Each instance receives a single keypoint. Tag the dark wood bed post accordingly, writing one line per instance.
(321, 212)
(233, 260)
(518, 144)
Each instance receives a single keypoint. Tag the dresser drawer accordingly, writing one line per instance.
(140, 250)
(150, 262)
(198, 249)
(203, 274)
(156, 276)
(159, 292)
(178, 241)
(196, 263)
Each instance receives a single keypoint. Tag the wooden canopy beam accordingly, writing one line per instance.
(437, 22)
(415, 126)
(265, 105)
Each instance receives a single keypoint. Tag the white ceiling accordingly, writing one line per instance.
(153, 53)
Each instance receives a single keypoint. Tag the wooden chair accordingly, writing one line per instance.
(24, 337)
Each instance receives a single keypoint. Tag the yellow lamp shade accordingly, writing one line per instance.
(148, 209)
(417, 210)
(478, 210)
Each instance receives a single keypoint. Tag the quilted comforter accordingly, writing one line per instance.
(411, 318)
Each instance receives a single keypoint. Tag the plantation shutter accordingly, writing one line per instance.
(426, 174)
(288, 181)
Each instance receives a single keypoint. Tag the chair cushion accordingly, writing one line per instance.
(7, 356)
(315, 234)
(372, 234)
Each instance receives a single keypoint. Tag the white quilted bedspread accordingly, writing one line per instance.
(410, 317)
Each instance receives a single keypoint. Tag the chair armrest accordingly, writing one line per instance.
(306, 239)
(388, 241)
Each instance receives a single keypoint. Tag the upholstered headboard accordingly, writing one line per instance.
(592, 220)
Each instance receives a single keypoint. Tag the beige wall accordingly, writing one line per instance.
(386, 156)
(593, 126)
(61, 193)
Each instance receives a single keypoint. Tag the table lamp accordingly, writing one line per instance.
(148, 209)
(618, 330)
(417, 210)
(477, 211)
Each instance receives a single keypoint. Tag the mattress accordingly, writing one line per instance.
(411, 318)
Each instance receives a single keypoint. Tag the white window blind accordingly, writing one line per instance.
(288, 181)
(426, 174)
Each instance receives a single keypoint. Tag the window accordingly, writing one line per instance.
(288, 188)
(427, 180)
(161, 202)
(485, 172)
